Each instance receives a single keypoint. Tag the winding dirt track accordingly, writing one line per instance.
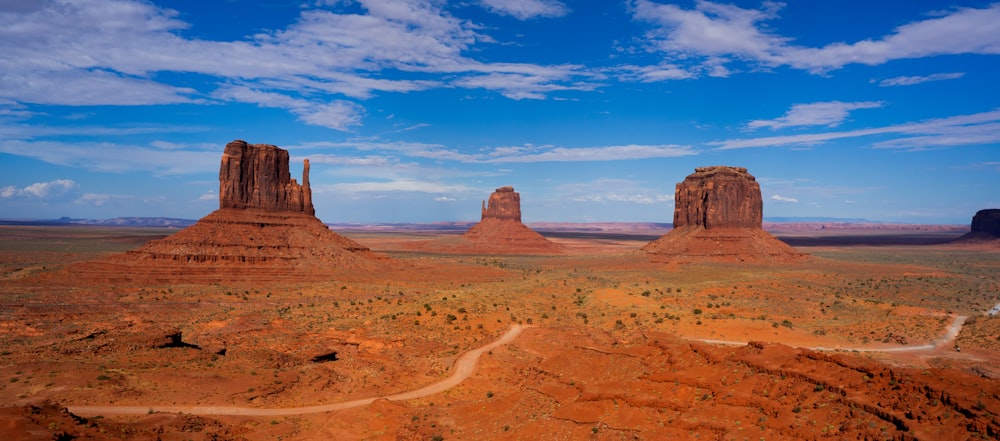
(949, 337)
(464, 367)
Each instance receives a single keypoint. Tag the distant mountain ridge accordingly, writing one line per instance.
(163, 222)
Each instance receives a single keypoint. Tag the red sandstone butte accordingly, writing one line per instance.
(985, 228)
(499, 231)
(718, 216)
(264, 229)
(257, 176)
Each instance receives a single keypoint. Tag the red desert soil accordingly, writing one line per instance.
(610, 350)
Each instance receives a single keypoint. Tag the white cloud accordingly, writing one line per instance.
(107, 157)
(337, 115)
(95, 199)
(624, 190)
(977, 128)
(779, 198)
(714, 31)
(829, 114)
(209, 196)
(909, 81)
(97, 52)
(445, 199)
(40, 190)
(506, 154)
(527, 9)
(399, 185)
(606, 153)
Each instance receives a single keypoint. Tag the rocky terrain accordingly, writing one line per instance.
(718, 215)
(259, 323)
(985, 228)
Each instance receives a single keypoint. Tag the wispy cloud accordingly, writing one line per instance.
(910, 81)
(607, 190)
(783, 199)
(116, 158)
(526, 9)
(97, 52)
(829, 114)
(973, 129)
(716, 32)
(40, 190)
(607, 153)
(511, 154)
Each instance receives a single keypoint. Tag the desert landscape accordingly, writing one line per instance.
(259, 322)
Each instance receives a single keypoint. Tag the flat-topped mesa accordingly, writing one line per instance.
(718, 216)
(257, 176)
(719, 197)
(504, 203)
(987, 222)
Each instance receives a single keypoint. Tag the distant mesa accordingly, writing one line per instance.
(718, 216)
(985, 227)
(265, 228)
(499, 231)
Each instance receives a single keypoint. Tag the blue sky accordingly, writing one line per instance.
(415, 110)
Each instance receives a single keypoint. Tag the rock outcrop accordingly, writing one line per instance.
(264, 229)
(504, 204)
(499, 231)
(987, 222)
(257, 176)
(718, 216)
(985, 227)
(719, 197)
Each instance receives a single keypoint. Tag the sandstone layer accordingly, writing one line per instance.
(718, 216)
(985, 227)
(265, 228)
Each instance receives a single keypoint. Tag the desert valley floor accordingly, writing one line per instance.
(883, 335)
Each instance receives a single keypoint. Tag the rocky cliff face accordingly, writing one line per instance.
(265, 229)
(718, 216)
(256, 176)
(504, 203)
(719, 197)
(987, 222)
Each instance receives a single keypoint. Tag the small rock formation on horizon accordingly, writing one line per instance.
(265, 228)
(500, 230)
(985, 227)
(718, 215)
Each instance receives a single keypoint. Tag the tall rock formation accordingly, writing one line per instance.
(985, 227)
(504, 203)
(987, 222)
(257, 176)
(499, 231)
(719, 197)
(718, 216)
(265, 229)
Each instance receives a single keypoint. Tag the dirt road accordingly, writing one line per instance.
(949, 337)
(464, 367)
